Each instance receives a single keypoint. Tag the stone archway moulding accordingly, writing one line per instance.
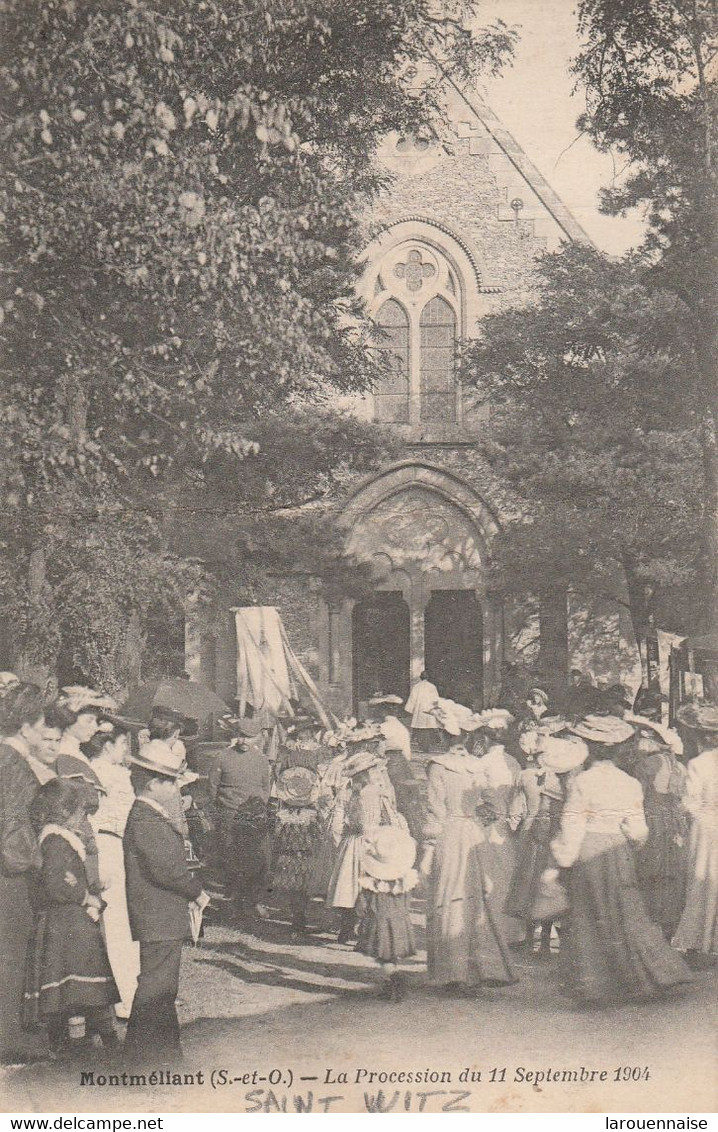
(433, 231)
(449, 487)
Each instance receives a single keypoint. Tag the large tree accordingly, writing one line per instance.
(649, 71)
(180, 199)
(597, 432)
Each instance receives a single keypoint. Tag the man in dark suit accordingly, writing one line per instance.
(160, 889)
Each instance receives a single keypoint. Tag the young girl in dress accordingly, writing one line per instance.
(297, 838)
(386, 878)
(68, 976)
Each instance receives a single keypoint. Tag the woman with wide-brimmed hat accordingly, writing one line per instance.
(465, 947)
(662, 859)
(611, 950)
(697, 932)
(368, 806)
(386, 878)
(501, 773)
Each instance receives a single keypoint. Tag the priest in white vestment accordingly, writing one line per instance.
(422, 702)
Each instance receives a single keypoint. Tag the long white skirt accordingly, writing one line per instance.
(698, 929)
(343, 891)
(122, 951)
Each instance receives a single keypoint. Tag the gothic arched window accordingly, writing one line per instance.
(437, 326)
(418, 295)
(392, 390)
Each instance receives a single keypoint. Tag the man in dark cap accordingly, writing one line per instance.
(239, 788)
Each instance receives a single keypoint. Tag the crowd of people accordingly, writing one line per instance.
(587, 833)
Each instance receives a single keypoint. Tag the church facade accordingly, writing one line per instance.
(455, 238)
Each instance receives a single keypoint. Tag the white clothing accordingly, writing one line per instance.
(423, 698)
(116, 804)
(123, 951)
(398, 737)
(109, 825)
(499, 768)
(698, 928)
(602, 800)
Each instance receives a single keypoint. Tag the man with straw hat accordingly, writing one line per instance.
(160, 889)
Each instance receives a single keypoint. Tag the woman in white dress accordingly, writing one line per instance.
(500, 773)
(108, 751)
(697, 932)
(464, 944)
(610, 948)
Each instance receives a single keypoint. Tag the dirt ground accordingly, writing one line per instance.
(275, 1021)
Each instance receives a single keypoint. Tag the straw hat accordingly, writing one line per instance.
(361, 760)
(388, 854)
(160, 758)
(608, 729)
(497, 719)
(297, 786)
(538, 694)
(562, 755)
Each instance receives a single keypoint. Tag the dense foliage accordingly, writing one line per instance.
(603, 394)
(180, 198)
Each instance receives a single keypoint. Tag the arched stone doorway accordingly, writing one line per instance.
(426, 535)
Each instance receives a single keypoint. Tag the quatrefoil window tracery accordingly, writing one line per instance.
(414, 270)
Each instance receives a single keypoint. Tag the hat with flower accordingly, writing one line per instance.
(297, 786)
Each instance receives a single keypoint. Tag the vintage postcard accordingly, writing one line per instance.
(358, 590)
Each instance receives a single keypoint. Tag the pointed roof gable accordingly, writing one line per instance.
(506, 143)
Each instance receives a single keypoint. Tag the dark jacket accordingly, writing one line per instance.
(19, 851)
(159, 884)
(238, 776)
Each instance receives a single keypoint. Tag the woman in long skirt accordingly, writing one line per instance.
(610, 948)
(661, 861)
(697, 932)
(500, 778)
(465, 947)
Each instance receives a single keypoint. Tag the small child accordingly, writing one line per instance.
(297, 839)
(68, 974)
(386, 877)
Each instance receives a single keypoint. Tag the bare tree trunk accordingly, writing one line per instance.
(31, 662)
